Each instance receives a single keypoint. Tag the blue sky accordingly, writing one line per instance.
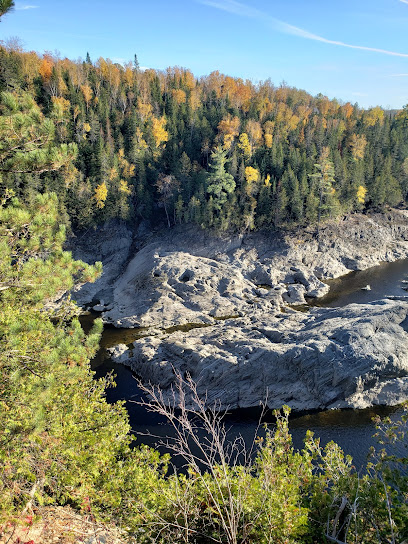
(353, 50)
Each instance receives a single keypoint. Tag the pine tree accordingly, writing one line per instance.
(220, 182)
(6, 6)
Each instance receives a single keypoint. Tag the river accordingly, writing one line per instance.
(351, 429)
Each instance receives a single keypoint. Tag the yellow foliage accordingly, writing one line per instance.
(323, 105)
(269, 127)
(87, 127)
(144, 110)
(128, 75)
(160, 134)
(128, 170)
(358, 144)
(251, 174)
(268, 140)
(60, 107)
(254, 131)
(244, 145)
(70, 175)
(179, 96)
(372, 116)
(228, 129)
(87, 93)
(361, 194)
(189, 80)
(303, 112)
(62, 86)
(101, 192)
(228, 139)
(195, 101)
(268, 180)
(113, 174)
(77, 111)
(139, 140)
(124, 187)
(283, 113)
(293, 122)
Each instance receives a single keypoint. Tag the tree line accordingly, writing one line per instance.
(216, 151)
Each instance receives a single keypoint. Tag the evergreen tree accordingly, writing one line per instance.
(6, 6)
(220, 184)
(324, 178)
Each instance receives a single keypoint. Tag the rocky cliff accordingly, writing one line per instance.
(216, 307)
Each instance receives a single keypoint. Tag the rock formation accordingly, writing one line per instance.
(216, 307)
(328, 358)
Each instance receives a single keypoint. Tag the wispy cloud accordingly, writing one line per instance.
(23, 8)
(232, 6)
(404, 1)
(399, 75)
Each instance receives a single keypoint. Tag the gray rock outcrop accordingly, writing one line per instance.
(187, 275)
(219, 308)
(354, 357)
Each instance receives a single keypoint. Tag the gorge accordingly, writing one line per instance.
(223, 312)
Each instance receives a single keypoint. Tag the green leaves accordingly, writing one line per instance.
(27, 138)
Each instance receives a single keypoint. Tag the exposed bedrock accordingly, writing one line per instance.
(216, 307)
(186, 275)
(354, 356)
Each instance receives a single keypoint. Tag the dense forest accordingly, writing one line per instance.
(216, 151)
(84, 142)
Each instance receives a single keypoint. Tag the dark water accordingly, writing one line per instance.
(351, 429)
(385, 279)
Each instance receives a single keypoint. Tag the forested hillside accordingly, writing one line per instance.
(217, 151)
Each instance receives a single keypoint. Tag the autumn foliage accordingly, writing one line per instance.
(132, 126)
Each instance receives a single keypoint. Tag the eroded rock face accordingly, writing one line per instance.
(216, 307)
(166, 289)
(187, 275)
(110, 244)
(354, 356)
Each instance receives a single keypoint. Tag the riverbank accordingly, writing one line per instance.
(216, 307)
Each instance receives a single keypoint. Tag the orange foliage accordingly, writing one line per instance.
(347, 110)
(45, 69)
(87, 93)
